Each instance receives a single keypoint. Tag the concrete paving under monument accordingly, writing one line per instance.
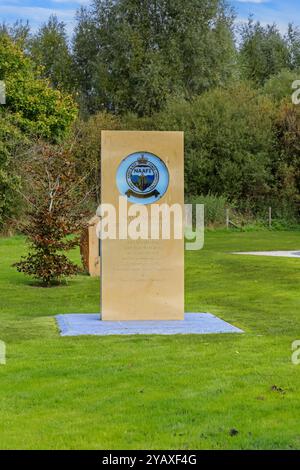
(77, 324)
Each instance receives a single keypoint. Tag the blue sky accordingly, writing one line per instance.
(281, 12)
(37, 11)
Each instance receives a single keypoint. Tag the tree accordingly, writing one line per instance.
(279, 86)
(287, 166)
(54, 216)
(32, 110)
(229, 142)
(12, 142)
(263, 52)
(49, 49)
(19, 32)
(292, 39)
(36, 108)
(87, 151)
(131, 55)
(84, 54)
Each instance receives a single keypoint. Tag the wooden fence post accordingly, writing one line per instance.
(270, 217)
(227, 219)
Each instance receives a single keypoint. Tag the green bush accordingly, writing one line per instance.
(214, 208)
(229, 142)
(33, 110)
(12, 143)
(241, 151)
(279, 86)
(36, 108)
(87, 150)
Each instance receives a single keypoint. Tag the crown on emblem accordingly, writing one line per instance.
(142, 160)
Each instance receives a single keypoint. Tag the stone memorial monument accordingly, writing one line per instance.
(142, 278)
(142, 242)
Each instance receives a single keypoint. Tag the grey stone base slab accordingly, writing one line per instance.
(285, 254)
(76, 324)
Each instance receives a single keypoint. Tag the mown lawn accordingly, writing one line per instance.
(157, 392)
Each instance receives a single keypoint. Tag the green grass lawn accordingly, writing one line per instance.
(157, 392)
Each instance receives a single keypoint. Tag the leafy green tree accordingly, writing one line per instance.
(279, 86)
(229, 142)
(287, 166)
(87, 151)
(36, 107)
(263, 52)
(49, 49)
(12, 142)
(84, 55)
(33, 110)
(19, 32)
(292, 39)
(132, 55)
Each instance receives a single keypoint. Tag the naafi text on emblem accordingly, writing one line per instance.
(142, 177)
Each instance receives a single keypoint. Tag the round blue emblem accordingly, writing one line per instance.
(142, 177)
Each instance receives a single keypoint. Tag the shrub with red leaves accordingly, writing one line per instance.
(55, 216)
